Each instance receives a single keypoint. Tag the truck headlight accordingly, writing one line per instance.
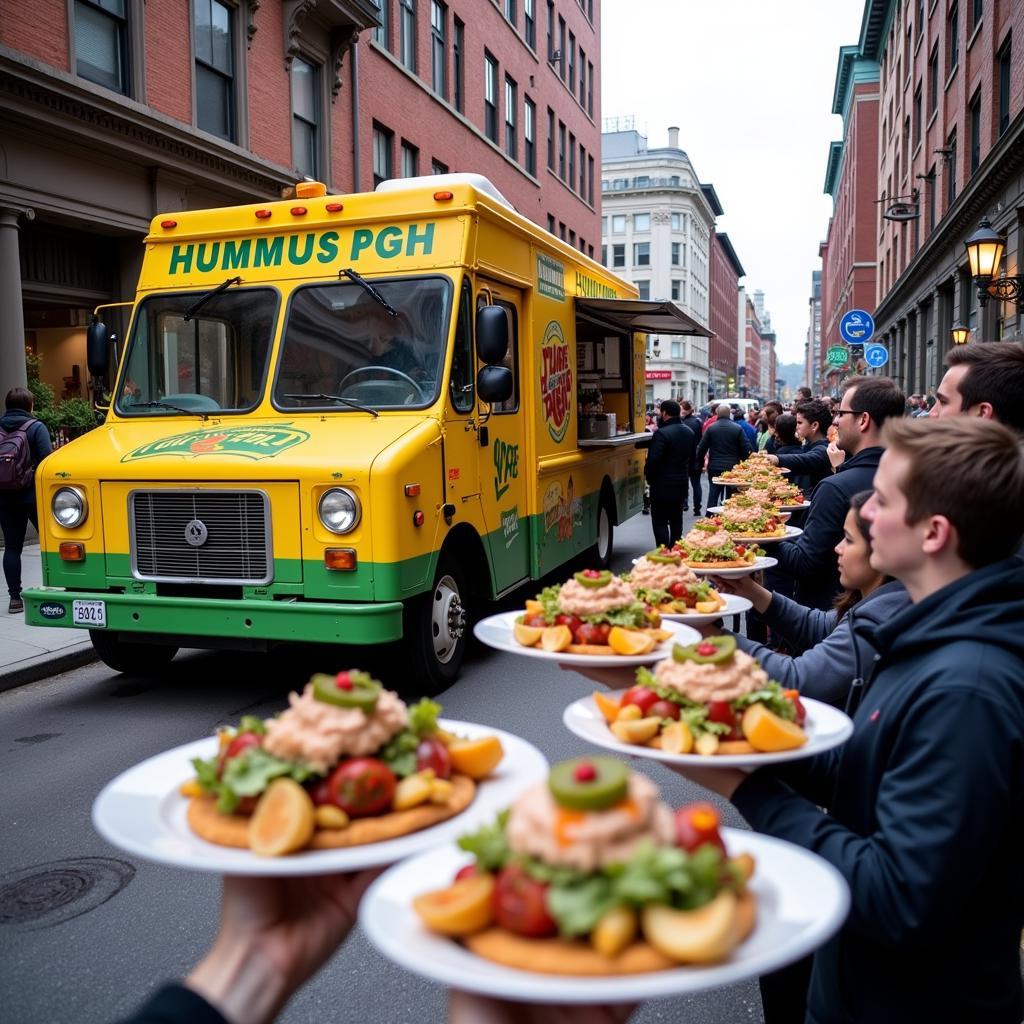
(339, 510)
(69, 507)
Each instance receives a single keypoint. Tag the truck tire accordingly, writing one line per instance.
(600, 555)
(132, 659)
(435, 629)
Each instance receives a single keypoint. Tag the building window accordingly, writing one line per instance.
(641, 222)
(438, 47)
(583, 78)
(382, 140)
(917, 116)
(676, 246)
(407, 32)
(975, 116)
(410, 160)
(619, 255)
(101, 43)
(436, 167)
(510, 11)
(930, 186)
(644, 288)
(583, 172)
(590, 88)
(977, 11)
(933, 81)
(490, 97)
(561, 150)
(215, 77)
(561, 46)
(677, 346)
(590, 180)
(305, 118)
(570, 73)
(951, 170)
(551, 223)
(511, 106)
(572, 161)
(641, 254)
(618, 223)
(380, 31)
(604, 255)
(1004, 86)
(551, 139)
(458, 60)
(529, 24)
(561, 231)
(529, 135)
(675, 290)
(551, 29)
(677, 222)
(572, 238)
(953, 35)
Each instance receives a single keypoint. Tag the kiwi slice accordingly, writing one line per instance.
(593, 578)
(715, 650)
(662, 557)
(589, 783)
(347, 690)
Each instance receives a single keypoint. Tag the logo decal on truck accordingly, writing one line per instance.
(247, 442)
(510, 526)
(550, 277)
(52, 610)
(555, 381)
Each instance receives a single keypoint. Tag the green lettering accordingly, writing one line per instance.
(426, 239)
(293, 249)
(389, 242)
(236, 254)
(361, 240)
(181, 255)
(269, 251)
(328, 247)
(205, 264)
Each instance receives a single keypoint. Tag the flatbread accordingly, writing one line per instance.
(780, 532)
(575, 957)
(737, 563)
(233, 829)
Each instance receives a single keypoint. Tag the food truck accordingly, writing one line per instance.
(347, 419)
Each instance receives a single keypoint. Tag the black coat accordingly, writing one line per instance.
(670, 461)
(695, 424)
(725, 443)
(809, 465)
(39, 444)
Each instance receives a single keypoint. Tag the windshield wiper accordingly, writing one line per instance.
(168, 405)
(369, 289)
(338, 398)
(204, 299)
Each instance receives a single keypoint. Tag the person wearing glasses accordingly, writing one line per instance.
(809, 559)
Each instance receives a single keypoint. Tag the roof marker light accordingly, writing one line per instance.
(444, 196)
(262, 214)
(168, 223)
(298, 211)
(334, 207)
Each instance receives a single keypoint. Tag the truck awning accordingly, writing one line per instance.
(649, 317)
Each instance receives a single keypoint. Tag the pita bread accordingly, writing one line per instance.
(233, 829)
(736, 563)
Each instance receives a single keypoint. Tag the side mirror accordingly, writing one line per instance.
(494, 384)
(97, 348)
(491, 334)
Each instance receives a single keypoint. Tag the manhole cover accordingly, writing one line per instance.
(50, 894)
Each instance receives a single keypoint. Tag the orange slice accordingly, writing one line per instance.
(767, 732)
(630, 641)
(528, 636)
(283, 821)
(476, 758)
(556, 638)
(461, 909)
(608, 706)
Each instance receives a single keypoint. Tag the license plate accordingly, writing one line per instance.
(89, 613)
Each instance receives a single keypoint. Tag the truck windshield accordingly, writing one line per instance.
(340, 343)
(215, 362)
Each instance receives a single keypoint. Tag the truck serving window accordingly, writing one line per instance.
(343, 348)
(214, 362)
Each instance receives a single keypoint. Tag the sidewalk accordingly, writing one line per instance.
(27, 652)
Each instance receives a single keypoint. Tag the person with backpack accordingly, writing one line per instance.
(24, 443)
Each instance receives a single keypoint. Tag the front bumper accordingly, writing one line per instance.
(318, 622)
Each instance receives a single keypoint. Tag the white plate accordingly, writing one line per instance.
(496, 631)
(791, 532)
(826, 727)
(734, 605)
(142, 813)
(762, 562)
(717, 510)
(802, 901)
(794, 508)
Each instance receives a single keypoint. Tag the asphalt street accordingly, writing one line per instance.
(86, 931)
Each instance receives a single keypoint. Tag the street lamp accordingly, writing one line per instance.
(985, 250)
(959, 334)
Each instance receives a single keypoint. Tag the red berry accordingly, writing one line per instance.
(706, 650)
(585, 773)
(343, 681)
(466, 871)
(591, 574)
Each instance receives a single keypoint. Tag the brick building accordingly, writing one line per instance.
(750, 379)
(724, 319)
(127, 108)
(812, 348)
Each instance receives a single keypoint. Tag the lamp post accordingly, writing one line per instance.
(959, 334)
(985, 250)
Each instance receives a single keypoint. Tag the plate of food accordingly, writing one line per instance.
(664, 581)
(709, 704)
(759, 564)
(788, 533)
(594, 618)
(777, 493)
(347, 777)
(590, 889)
(784, 516)
(710, 548)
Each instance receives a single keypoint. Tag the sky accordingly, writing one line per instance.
(749, 84)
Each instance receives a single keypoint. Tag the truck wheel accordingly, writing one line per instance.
(133, 659)
(600, 555)
(435, 629)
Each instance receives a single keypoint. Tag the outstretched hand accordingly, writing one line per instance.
(464, 1008)
(745, 586)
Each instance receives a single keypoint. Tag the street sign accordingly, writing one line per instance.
(876, 355)
(857, 325)
(837, 355)
(856, 352)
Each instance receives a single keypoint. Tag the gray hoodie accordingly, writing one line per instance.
(833, 655)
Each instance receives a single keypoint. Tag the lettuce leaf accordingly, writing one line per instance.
(249, 774)
(772, 697)
(548, 598)
(423, 716)
(399, 753)
(488, 844)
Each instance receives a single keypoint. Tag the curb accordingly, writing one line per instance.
(45, 665)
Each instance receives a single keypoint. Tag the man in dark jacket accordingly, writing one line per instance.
(18, 507)
(926, 799)
(688, 419)
(669, 462)
(811, 465)
(725, 444)
(868, 402)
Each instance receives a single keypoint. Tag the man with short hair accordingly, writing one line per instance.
(668, 468)
(811, 465)
(725, 444)
(688, 419)
(984, 379)
(868, 402)
(925, 801)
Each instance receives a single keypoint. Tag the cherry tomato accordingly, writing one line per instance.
(520, 904)
(242, 742)
(664, 709)
(537, 621)
(697, 824)
(740, 550)
(320, 792)
(678, 590)
(643, 698)
(592, 633)
(466, 871)
(721, 711)
(362, 786)
(432, 753)
(801, 711)
(572, 621)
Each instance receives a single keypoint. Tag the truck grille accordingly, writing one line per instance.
(201, 536)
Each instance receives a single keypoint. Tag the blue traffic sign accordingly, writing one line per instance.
(876, 355)
(857, 325)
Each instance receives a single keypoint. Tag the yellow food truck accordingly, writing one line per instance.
(346, 419)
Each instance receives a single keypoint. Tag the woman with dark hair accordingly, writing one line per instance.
(834, 656)
(786, 441)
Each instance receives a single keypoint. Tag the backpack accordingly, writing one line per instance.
(17, 468)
